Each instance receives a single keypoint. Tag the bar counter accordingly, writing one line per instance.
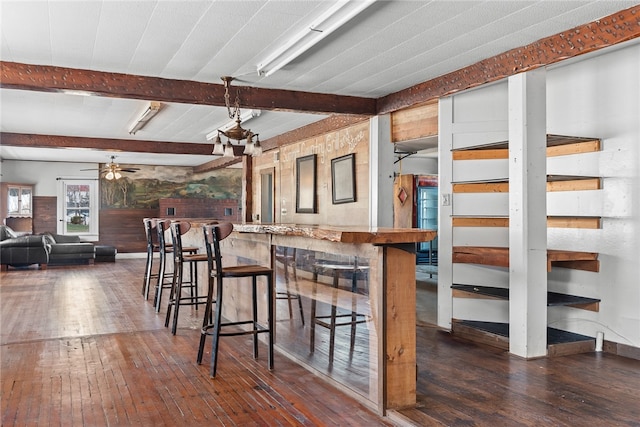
(372, 235)
(364, 275)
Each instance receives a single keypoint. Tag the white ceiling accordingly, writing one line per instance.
(390, 46)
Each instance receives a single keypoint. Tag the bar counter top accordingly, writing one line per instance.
(372, 235)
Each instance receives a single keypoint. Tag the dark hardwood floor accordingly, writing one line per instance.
(79, 346)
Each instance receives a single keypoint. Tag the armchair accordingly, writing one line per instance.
(18, 251)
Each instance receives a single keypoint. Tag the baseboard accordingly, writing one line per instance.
(623, 350)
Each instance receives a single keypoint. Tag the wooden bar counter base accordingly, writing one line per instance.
(391, 293)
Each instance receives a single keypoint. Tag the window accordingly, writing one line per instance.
(78, 208)
(228, 211)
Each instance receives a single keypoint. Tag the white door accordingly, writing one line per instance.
(78, 207)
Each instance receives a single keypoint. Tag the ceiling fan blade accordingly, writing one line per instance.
(129, 170)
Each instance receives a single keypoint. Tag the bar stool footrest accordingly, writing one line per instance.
(209, 329)
(355, 322)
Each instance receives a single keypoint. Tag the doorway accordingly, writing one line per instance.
(78, 208)
(267, 196)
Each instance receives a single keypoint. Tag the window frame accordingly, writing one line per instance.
(94, 207)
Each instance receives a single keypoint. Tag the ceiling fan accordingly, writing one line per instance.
(112, 170)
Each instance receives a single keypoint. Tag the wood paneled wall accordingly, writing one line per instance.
(45, 214)
(414, 123)
(123, 228)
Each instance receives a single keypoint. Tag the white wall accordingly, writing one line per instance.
(416, 165)
(44, 175)
(600, 97)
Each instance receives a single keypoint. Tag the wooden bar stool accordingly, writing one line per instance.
(352, 271)
(165, 279)
(181, 256)
(213, 235)
(287, 256)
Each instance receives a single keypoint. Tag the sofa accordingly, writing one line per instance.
(21, 251)
(49, 249)
(66, 249)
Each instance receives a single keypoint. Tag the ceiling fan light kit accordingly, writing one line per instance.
(112, 170)
(152, 109)
(113, 175)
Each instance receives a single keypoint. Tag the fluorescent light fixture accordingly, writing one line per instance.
(151, 110)
(335, 17)
(76, 92)
(245, 116)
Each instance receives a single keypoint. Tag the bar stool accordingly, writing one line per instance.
(287, 256)
(152, 247)
(353, 271)
(213, 235)
(180, 258)
(165, 279)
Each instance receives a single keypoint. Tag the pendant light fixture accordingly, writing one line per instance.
(235, 131)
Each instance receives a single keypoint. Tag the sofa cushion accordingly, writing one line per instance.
(25, 242)
(72, 250)
(64, 238)
(22, 251)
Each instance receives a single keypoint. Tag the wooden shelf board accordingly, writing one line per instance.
(559, 342)
(481, 187)
(499, 257)
(557, 145)
(573, 183)
(503, 221)
(480, 221)
(485, 291)
(554, 299)
(481, 154)
(592, 222)
(554, 183)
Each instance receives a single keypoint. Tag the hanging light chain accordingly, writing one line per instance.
(237, 132)
(227, 99)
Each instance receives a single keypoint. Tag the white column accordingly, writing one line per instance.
(527, 215)
(380, 172)
(445, 229)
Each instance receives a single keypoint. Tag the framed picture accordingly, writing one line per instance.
(306, 184)
(343, 179)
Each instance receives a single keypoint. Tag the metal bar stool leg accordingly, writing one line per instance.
(174, 296)
(160, 282)
(312, 330)
(254, 296)
(271, 315)
(216, 332)
(208, 318)
(332, 320)
(147, 273)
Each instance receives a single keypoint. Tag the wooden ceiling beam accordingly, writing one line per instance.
(611, 30)
(46, 78)
(136, 146)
